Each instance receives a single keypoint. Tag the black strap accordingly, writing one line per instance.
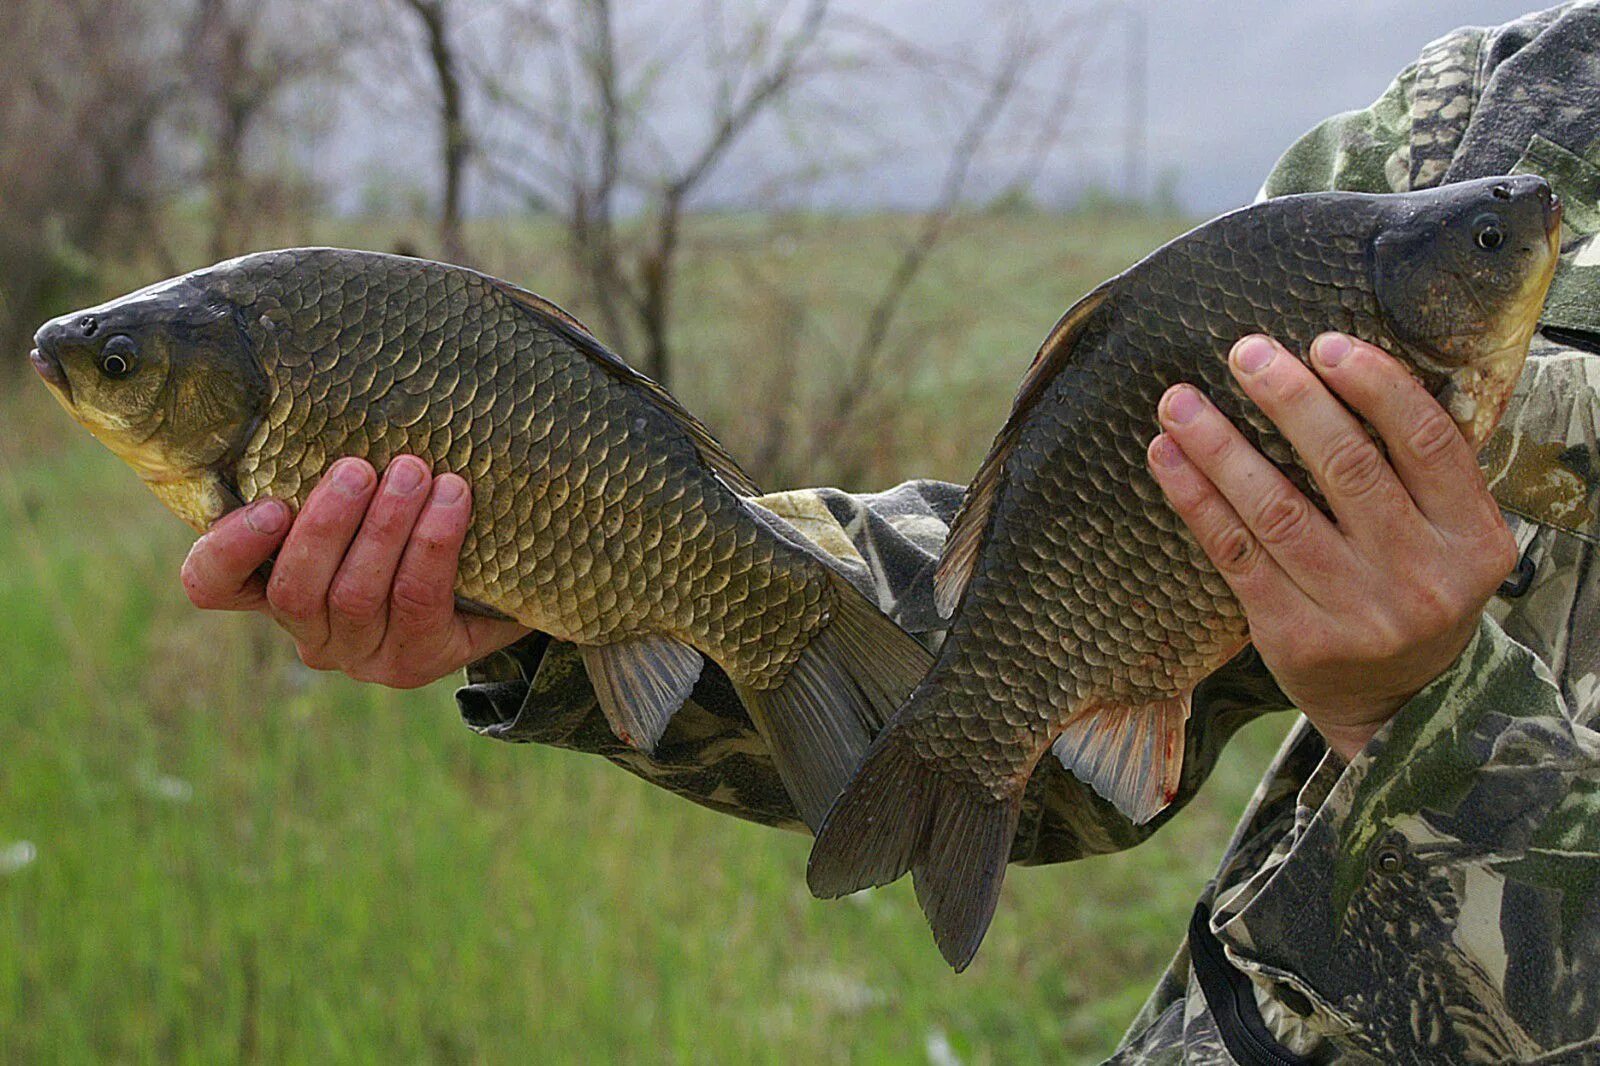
(1233, 1004)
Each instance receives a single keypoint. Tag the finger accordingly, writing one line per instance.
(1426, 450)
(311, 554)
(1361, 488)
(422, 599)
(358, 598)
(1256, 579)
(486, 635)
(1276, 514)
(219, 573)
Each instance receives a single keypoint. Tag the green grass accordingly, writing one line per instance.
(236, 859)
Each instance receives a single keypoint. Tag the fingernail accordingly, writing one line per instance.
(1164, 451)
(1252, 354)
(449, 489)
(1331, 348)
(267, 517)
(405, 477)
(1183, 403)
(350, 477)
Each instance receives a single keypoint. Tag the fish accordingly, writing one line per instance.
(1082, 612)
(603, 512)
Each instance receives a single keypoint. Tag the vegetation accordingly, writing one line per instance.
(208, 853)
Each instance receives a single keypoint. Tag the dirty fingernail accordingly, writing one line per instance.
(267, 517)
(1165, 452)
(1183, 403)
(1252, 354)
(1331, 348)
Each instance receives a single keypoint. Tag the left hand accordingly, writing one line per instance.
(1356, 614)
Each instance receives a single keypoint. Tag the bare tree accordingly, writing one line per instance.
(244, 59)
(78, 163)
(598, 163)
(435, 18)
(580, 132)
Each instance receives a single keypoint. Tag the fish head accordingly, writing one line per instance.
(1461, 274)
(165, 377)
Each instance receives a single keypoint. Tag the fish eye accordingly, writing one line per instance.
(117, 357)
(1488, 233)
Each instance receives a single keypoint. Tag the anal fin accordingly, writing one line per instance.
(1133, 756)
(641, 683)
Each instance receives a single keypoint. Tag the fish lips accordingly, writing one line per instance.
(49, 367)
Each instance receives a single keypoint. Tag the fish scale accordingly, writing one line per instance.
(603, 513)
(1084, 611)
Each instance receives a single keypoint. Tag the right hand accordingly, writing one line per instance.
(364, 579)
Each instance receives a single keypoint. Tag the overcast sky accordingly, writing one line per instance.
(1230, 85)
(1233, 84)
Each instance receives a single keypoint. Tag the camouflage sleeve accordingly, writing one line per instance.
(1435, 899)
(887, 543)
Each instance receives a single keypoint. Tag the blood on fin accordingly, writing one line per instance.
(1133, 756)
(640, 685)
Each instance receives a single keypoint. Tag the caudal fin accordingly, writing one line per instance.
(901, 813)
(818, 724)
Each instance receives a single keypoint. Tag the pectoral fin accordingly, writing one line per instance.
(641, 683)
(1133, 756)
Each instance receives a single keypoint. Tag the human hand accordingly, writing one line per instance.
(1353, 615)
(364, 579)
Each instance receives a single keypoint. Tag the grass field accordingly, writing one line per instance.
(210, 854)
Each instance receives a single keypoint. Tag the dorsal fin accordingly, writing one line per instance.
(970, 528)
(570, 329)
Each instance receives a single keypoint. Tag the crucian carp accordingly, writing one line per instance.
(1084, 613)
(603, 512)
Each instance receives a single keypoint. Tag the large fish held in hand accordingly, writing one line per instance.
(603, 513)
(1084, 613)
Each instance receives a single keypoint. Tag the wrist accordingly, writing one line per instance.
(1347, 739)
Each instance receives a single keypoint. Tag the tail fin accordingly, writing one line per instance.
(900, 813)
(853, 676)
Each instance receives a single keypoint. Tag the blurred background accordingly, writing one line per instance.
(836, 230)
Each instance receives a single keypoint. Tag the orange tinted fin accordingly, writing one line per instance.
(640, 685)
(570, 329)
(902, 813)
(847, 682)
(970, 527)
(1133, 756)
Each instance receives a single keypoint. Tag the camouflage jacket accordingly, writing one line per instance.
(1437, 899)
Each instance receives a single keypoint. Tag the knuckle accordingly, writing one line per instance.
(355, 599)
(1293, 384)
(1434, 438)
(1282, 517)
(1501, 554)
(1353, 467)
(414, 597)
(315, 658)
(1433, 608)
(1234, 550)
(291, 600)
(1213, 446)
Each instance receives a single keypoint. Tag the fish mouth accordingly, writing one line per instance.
(49, 368)
(1552, 214)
